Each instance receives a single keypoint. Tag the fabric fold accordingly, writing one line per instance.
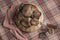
(8, 23)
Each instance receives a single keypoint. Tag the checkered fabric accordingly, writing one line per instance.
(51, 11)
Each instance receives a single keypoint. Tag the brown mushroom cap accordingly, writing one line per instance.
(22, 18)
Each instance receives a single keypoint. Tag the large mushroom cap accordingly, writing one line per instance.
(28, 17)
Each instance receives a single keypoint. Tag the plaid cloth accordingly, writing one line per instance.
(51, 10)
